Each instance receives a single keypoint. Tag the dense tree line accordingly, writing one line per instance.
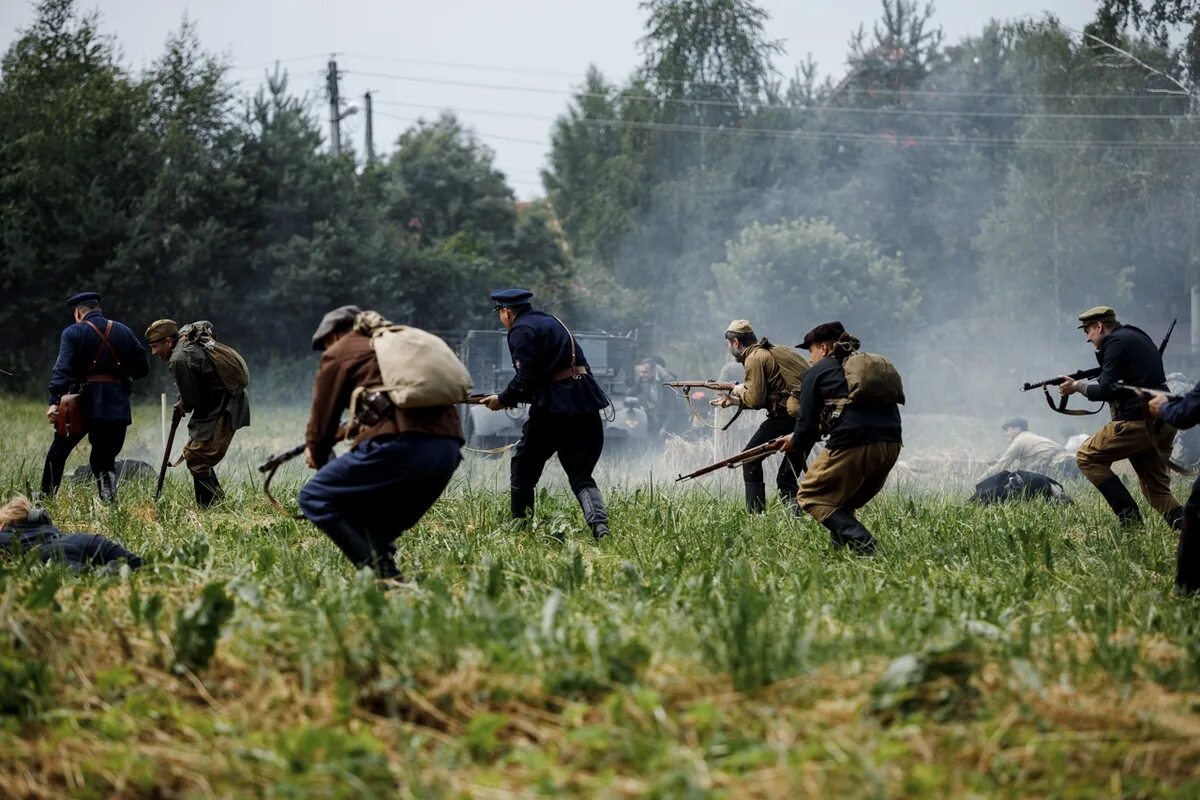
(1017, 174)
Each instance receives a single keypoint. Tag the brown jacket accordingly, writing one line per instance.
(346, 365)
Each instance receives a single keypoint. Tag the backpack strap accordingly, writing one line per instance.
(104, 344)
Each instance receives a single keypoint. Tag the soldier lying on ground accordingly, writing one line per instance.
(24, 527)
(1029, 452)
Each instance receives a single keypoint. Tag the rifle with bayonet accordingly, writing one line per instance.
(738, 459)
(718, 386)
(1084, 375)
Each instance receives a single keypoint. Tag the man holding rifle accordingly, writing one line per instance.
(852, 399)
(402, 458)
(1126, 355)
(218, 403)
(773, 377)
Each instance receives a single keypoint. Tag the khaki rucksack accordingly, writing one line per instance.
(419, 369)
(793, 367)
(230, 366)
(872, 380)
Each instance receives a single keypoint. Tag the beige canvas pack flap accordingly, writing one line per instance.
(419, 369)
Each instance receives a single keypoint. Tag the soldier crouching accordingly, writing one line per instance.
(398, 467)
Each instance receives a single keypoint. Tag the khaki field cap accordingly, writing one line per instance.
(1097, 314)
(161, 329)
(740, 326)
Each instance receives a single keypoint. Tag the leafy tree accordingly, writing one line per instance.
(810, 271)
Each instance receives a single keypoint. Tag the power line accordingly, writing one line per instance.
(275, 61)
(789, 108)
(1150, 94)
(790, 133)
(477, 133)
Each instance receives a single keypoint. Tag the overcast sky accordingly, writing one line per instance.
(418, 57)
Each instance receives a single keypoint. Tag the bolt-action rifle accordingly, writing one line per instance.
(1084, 375)
(738, 459)
(718, 386)
(176, 416)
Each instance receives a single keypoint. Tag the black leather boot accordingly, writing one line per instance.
(592, 503)
(756, 497)
(1187, 561)
(1174, 519)
(107, 486)
(846, 531)
(1120, 501)
(520, 502)
(208, 488)
(356, 544)
(789, 501)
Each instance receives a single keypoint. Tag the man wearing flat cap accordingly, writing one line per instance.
(553, 377)
(401, 460)
(1125, 354)
(99, 358)
(774, 374)
(219, 406)
(1029, 451)
(863, 434)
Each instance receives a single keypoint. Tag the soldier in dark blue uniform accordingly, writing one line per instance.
(553, 378)
(1184, 413)
(104, 372)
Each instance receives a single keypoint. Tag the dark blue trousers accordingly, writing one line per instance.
(384, 485)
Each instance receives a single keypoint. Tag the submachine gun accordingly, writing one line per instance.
(1085, 375)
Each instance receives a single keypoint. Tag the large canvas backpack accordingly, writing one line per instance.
(419, 369)
(230, 366)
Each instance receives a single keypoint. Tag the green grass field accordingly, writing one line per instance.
(1026, 651)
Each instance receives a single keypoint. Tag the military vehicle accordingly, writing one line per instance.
(611, 357)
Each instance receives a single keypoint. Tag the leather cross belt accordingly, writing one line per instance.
(103, 379)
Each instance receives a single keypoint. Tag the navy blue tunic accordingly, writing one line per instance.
(77, 348)
(541, 347)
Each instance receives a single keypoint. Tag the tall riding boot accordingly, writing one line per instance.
(355, 543)
(107, 485)
(208, 488)
(520, 502)
(592, 503)
(1120, 501)
(846, 530)
(756, 497)
(1187, 561)
(1174, 519)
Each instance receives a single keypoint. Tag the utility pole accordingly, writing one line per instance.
(336, 115)
(370, 130)
(335, 118)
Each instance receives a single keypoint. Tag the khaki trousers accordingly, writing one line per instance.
(1146, 451)
(201, 457)
(846, 478)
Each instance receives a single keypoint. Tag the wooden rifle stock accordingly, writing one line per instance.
(738, 459)
(176, 416)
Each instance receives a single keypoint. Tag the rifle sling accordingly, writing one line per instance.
(1061, 408)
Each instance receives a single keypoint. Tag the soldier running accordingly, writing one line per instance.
(217, 411)
(398, 466)
(773, 372)
(553, 377)
(864, 436)
(1128, 355)
(100, 358)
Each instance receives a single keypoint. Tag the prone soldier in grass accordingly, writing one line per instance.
(852, 398)
(553, 377)
(212, 379)
(1125, 355)
(402, 458)
(773, 376)
(98, 361)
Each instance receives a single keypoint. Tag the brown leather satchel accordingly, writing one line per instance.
(73, 407)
